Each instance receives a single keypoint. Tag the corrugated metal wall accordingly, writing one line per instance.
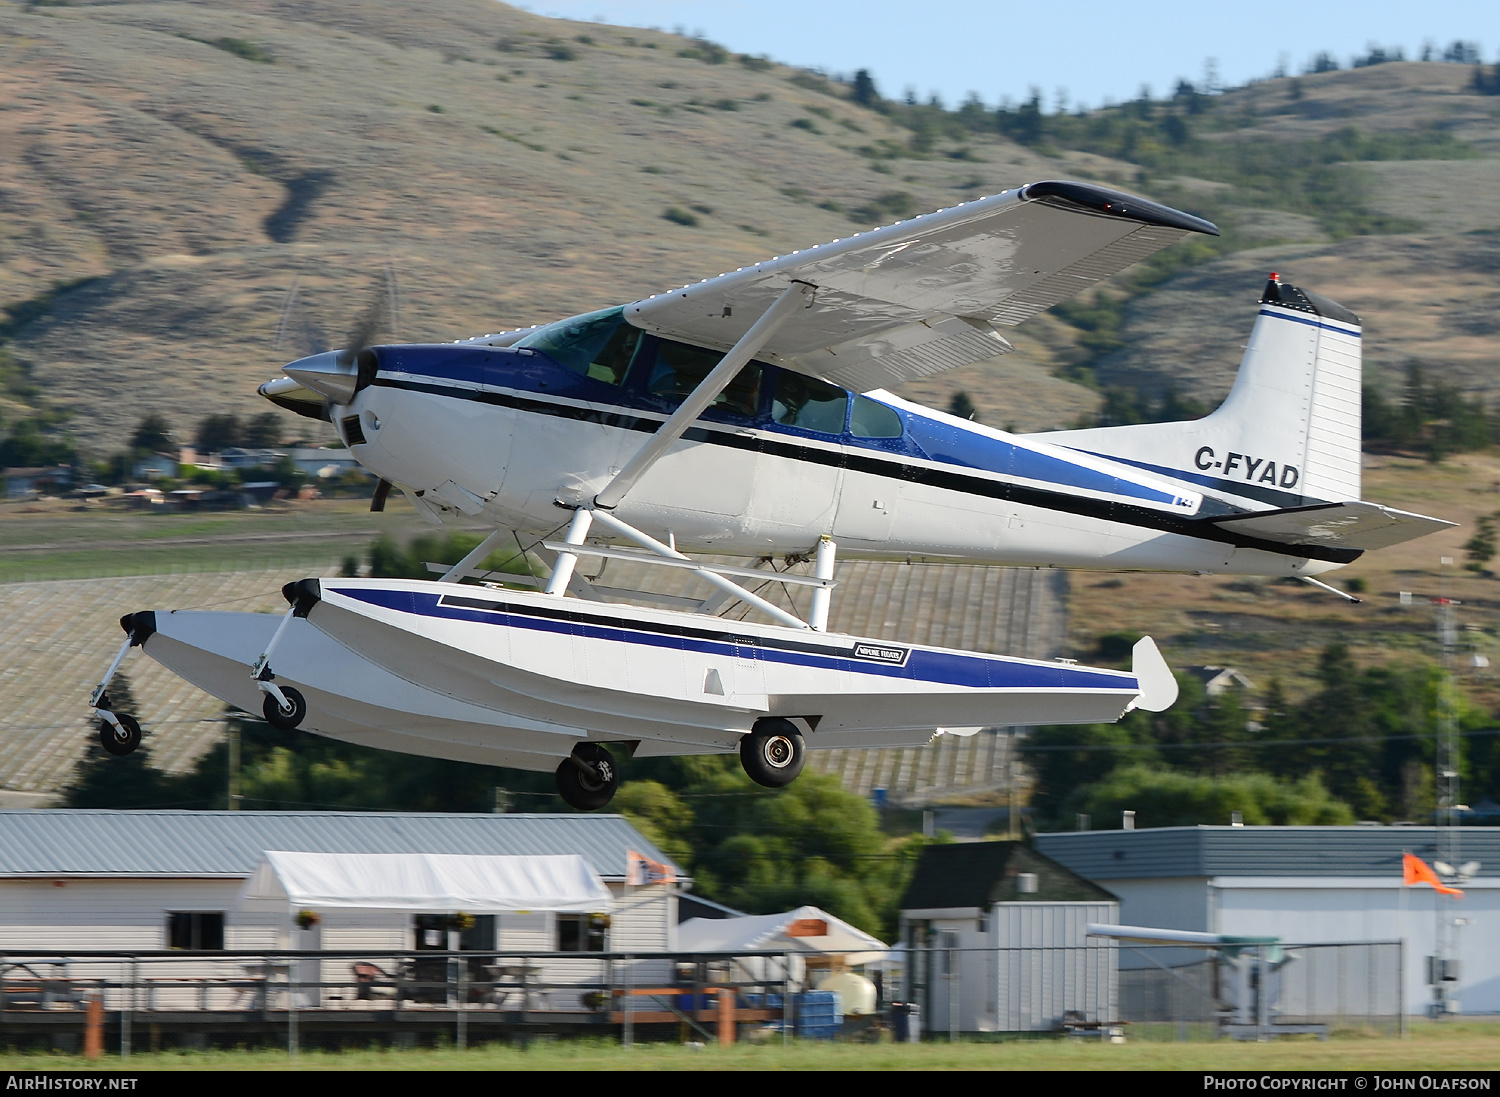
(1039, 967)
(1049, 967)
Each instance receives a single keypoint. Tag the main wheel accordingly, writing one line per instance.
(591, 785)
(285, 719)
(122, 740)
(773, 752)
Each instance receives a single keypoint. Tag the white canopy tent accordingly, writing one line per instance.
(795, 931)
(426, 882)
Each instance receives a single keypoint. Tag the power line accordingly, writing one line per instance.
(1249, 743)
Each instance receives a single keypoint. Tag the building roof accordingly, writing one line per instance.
(230, 843)
(1217, 679)
(806, 929)
(1260, 851)
(980, 874)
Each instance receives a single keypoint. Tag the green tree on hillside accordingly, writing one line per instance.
(153, 434)
(219, 432)
(1166, 798)
(29, 445)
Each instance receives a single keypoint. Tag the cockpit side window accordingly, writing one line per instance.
(679, 368)
(802, 401)
(597, 345)
(872, 419)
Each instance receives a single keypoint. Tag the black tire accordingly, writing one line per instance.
(117, 742)
(278, 717)
(591, 790)
(773, 753)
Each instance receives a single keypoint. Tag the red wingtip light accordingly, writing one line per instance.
(1275, 277)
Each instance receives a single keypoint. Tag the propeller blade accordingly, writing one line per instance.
(364, 328)
(286, 313)
(384, 304)
(377, 501)
(297, 329)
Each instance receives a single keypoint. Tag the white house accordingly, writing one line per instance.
(324, 463)
(87, 879)
(1305, 885)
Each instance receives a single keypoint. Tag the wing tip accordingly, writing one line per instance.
(1116, 203)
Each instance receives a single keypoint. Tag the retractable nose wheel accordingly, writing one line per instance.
(587, 779)
(121, 740)
(773, 752)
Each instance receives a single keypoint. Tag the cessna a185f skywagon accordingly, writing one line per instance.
(746, 416)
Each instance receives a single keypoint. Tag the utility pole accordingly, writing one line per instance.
(1445, 967)
(234, 764)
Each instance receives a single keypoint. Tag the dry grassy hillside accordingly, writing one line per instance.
(193, 159)
(1430, 293)
(173, 167)
(1429, 298)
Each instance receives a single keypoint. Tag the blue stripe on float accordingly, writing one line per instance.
(922, 665)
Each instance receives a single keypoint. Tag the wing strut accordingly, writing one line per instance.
(707, 391)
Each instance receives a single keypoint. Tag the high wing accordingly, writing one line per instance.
(926, 295)
(1354, 524)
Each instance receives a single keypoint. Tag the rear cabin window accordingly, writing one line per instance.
(599, 345)
(678, 369)
(802, 401)
(872, 419)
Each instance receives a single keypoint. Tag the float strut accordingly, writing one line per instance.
(1330, 589)
(562, 572)
(822, 597)
(481, 550)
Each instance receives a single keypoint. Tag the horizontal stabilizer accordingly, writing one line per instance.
(1353, 525)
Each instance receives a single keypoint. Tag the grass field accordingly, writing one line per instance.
(1457, 1046)
(54, 539)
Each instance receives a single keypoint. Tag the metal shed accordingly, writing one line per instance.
(997, 940)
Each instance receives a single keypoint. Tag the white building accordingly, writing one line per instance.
(74, 880)
(324, 463)
(1305, 885)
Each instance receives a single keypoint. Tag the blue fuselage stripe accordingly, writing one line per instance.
(937, 667)
(1275, 496)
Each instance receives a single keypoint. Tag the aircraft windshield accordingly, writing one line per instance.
(596, 344)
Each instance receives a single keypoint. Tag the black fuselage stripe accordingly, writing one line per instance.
(1103, 509)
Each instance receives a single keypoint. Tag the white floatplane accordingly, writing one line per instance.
(744, 416)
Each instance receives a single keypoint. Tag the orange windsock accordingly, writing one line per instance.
(1414, 870)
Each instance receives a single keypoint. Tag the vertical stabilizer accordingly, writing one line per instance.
(1287, 434)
